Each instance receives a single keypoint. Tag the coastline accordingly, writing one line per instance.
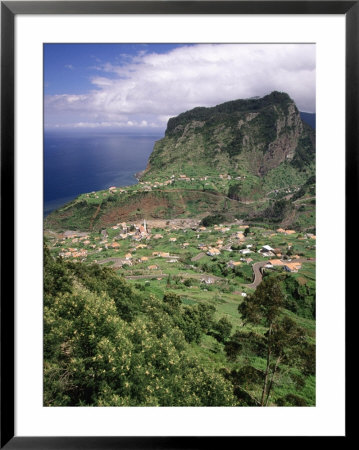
(56, 204)
(73, 164)
(139, 174)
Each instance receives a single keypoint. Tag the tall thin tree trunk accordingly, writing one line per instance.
(272, 377)
(268, 364)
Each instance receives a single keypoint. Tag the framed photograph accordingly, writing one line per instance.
(172, 178)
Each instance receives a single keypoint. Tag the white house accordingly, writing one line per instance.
(266, 248)
(245, 251)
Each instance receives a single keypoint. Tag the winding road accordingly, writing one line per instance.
(258, 273)
(256, 267)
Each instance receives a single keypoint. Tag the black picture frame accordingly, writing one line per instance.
(9, 9)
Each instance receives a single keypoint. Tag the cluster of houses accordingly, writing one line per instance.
(137, 231)
(288, 266)
(74, 237)
(73, 253)
(148, 185)
(141, 232)
(111, 190)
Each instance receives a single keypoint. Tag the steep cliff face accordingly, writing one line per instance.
(254, 135)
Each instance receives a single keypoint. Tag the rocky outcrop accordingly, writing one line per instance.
(256, 134)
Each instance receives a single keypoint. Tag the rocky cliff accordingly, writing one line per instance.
(254, 136)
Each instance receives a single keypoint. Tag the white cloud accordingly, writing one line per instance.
(151, 87)
(126, 124)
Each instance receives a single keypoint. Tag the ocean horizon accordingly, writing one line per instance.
(79, 162)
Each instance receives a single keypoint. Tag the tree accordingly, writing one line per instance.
(265, 304)
(214, 219)
(172, 300)
(223, 328)
(246, 232)
(57, 278)
(234, 191)
(283, 338)
(285, 342)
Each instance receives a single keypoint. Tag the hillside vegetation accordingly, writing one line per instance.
(196, 286)
(109, 343)
(234, 159)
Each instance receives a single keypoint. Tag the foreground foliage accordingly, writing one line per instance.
(283, 343)
(107, 343)
(99, 351)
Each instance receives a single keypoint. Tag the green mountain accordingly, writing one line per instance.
(241, 159)
(253, 136)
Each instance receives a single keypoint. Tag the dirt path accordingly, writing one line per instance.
(198, 257)
(148, 276)
(118, 262)
(301, 200)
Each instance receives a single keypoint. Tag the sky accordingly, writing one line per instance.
(138, 87)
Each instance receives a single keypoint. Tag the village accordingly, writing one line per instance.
(182, 180)
(229, 259)
(218, 182)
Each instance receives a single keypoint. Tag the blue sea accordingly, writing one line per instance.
(80, 162)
